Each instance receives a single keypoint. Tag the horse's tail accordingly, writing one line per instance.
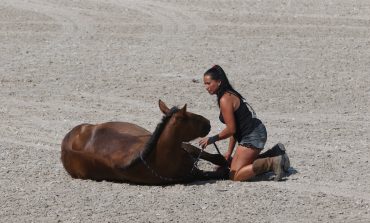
(82, 164)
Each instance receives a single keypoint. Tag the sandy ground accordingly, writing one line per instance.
(303, 65)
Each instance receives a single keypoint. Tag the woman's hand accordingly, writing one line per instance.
(204, 142)
(208, 140)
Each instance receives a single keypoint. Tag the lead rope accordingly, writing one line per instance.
(195, 165)
(221, 154)
(217, 148)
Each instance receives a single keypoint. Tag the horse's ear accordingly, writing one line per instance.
(183, 110)
(163, 107)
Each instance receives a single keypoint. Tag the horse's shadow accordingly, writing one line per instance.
(263, 177)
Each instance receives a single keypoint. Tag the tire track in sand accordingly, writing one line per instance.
(172, 20)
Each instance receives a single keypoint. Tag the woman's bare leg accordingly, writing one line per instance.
(241, 165)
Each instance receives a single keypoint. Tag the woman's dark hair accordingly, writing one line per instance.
(217, 73)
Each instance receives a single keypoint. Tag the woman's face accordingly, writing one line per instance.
(211, 85)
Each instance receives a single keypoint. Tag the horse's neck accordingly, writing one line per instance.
(168, 158)
(168, 148)
(168, 144)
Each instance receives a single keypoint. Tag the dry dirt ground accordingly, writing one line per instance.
(303, 65)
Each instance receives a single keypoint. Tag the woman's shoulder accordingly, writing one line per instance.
(229, 98)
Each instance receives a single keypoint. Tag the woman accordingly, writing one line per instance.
(243, 127)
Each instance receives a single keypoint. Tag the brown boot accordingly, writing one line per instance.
(286, 164)
(278, 149)
(275, 164)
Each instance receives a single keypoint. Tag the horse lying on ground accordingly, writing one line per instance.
(125, 152)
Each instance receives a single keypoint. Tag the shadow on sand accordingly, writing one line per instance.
(263, 177)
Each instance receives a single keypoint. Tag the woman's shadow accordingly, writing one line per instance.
(269, 176)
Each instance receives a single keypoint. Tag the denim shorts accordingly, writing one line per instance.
(256, 139)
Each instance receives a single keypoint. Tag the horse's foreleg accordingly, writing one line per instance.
(216, 159)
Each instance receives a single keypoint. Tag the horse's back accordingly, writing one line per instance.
(120, 141)
(107, 146)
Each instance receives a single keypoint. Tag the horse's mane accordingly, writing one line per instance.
(152, 142)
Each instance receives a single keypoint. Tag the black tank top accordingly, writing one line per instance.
(245, 123)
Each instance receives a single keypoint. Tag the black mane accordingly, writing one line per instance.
(152, 142)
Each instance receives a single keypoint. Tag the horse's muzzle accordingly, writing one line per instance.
(206, 129)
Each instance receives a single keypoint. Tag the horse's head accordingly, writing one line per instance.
(185, 124)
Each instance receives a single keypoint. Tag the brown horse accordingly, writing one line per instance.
(125, 152)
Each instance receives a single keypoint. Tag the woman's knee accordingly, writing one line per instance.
(243, 174)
